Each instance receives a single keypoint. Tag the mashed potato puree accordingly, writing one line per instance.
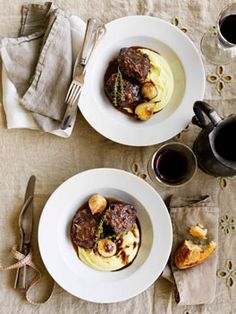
(161, 76)
(128, 249)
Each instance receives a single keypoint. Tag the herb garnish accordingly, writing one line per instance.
(118, 89)
(100, 229)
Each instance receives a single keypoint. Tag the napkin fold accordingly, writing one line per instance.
(37, 68)
(195, 285)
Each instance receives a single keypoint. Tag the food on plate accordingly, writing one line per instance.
(139, 82)
(134, 64)
(122, 93)
(198, 231)
(149, 90)
(145, 110)
(97, 203)
(84, 228)
(191, 254)
(105, 233)
(107, 247)
(121, 217)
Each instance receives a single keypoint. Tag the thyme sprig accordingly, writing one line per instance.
(112, 236)
(99, 230)
(118, 89)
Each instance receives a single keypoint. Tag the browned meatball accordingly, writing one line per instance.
(84, 228)
(121, 217)
(134, 64)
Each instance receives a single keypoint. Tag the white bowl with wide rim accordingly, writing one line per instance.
(184, 61)
(60, 257)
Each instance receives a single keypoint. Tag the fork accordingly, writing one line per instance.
(79, 70)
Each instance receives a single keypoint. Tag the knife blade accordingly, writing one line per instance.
(26, 228)
(27, 218)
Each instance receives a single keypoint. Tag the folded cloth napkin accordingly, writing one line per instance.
(37, 68)
(195, 285)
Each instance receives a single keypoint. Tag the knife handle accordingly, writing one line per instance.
(86, 49)
(20, 282)
(90, 31)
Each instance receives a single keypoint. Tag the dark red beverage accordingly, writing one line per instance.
(228, 28)
(171, 166)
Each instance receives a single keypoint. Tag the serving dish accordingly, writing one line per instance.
(184, 61)
(61, 259)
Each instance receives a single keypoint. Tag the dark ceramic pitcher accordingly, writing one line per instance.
(215, 146)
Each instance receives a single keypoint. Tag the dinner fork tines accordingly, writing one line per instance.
(74, 91)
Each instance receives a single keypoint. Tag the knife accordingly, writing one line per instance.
(26, 227)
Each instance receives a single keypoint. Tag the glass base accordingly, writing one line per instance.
(213, 51)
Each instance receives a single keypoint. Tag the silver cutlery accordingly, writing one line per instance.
(26, 227)
(78, 75)
(92, 36)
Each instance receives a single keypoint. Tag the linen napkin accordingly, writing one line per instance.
(195, 285)
(37, 68)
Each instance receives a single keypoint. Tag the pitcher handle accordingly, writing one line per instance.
(201, 107)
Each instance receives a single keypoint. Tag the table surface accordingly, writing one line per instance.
(53, 160)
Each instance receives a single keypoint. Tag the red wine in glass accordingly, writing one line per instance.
(219, 45)
(171, 166)
(227, 28)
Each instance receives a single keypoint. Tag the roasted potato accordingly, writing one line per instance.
(149, 90)
(144, 111)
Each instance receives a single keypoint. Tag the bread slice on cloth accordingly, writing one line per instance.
(190, 254)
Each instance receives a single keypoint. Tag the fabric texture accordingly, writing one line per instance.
(53, 160)
(38, 67)
(196, 285)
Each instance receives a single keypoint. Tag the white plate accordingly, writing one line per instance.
(58, 253)
(187, 68)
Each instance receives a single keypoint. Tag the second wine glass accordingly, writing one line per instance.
(219, 44)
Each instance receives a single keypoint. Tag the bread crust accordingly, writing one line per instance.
(190, 254)
(198, 231)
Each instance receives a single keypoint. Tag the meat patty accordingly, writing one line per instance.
(84, 228)
(134, 64)
(130, 95)
(121, 217)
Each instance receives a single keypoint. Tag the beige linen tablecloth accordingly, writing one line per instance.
(53, 160)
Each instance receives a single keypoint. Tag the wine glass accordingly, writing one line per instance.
(218, 45)
(173, 164)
